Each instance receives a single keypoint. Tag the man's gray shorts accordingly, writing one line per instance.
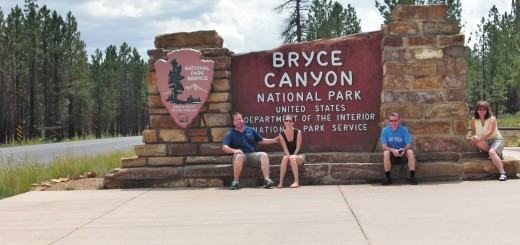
(251, 159)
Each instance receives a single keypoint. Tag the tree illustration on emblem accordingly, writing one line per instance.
(174, 82)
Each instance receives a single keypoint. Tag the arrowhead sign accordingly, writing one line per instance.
(184, 81)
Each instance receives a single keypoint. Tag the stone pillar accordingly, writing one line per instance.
(424, 78)
(169, 150)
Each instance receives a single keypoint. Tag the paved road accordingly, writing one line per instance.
(513, 152)
(469, 212)
(45, 153)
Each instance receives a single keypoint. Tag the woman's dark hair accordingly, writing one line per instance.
(483, 104)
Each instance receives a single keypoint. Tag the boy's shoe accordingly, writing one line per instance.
(387, 181)
(268, 183)
(235, 185)
(503, 177)
(413, 181)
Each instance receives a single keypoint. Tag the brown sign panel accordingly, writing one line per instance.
(184, 81)
(332, 87)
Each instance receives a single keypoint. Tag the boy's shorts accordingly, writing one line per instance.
(398, 160)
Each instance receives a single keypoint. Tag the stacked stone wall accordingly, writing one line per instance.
(167, 144)
(424, 77)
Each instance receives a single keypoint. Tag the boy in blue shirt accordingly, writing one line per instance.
(396, 144)
(240, 140)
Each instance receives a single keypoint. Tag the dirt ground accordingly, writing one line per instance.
(66, 184)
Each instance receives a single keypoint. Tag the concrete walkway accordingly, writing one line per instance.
(479, 212)
(469, 212)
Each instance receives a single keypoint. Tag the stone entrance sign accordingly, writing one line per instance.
(184, 82)
(332, 87)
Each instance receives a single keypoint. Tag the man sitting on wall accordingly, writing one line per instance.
(396, 144)
(240, 140)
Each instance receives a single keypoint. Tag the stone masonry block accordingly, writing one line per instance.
(198, 39)
(198, 132)
(397, 55)
(461, 67)
(460, 127)
(439, 144)
(172, 135)
(419, 69)
(199, 139)
(218, 134)
(446, 66)
(428, 97)
(422, 41)
(151, 150)
(392, 41)
(437, 169)
(405, 111)
(222, 63)
(455, 51)
(165, 161)
(220, 85)
(429, 127)
(208, 160)
(396, 82)
(427, 82)
(158, 53)
(215, 52)
(154, 100)
(428, 53)
(440, 27)
(132, 162)
(456, 94)
(400, 97)
(222, 74)
(211, 149)
(224, 107)
(150, 136)
(456, 109)
(218, 97)
(216, 120)
(356, 171)
(182, 149)
(453, 81)
(419, 12)
(392, 68)
(151, 80)
(162, 121)
(401, 28)
(158, 111)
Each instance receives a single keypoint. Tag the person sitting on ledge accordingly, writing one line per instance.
(291, 141)
(240, 140)
(486, 137)
(396, 144)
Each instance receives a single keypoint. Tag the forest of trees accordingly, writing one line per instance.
(493, 53)
(46, 79)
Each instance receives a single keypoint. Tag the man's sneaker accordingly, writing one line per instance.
(413, 181)
(235, 185)
(503, 177)
(268, 183)
(387, 181)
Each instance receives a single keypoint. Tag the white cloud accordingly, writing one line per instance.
(245, 25)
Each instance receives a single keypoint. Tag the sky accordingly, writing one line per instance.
(245, 25)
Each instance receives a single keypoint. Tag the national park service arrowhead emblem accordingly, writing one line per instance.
(184, 81)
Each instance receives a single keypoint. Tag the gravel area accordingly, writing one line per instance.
(64, 184)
